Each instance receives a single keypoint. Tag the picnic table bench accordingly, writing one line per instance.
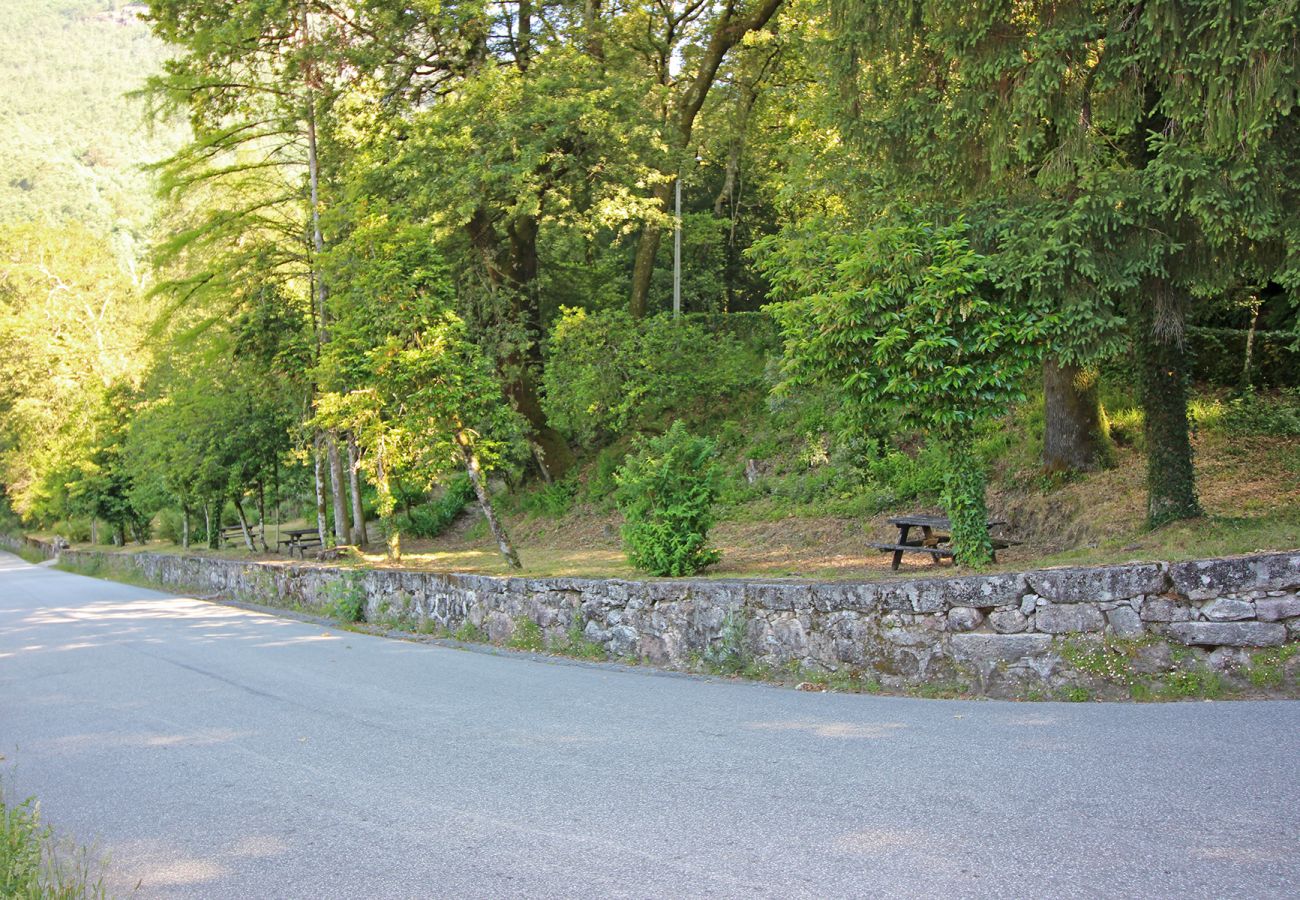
(936, 532)
(299, 539)
(233, 534)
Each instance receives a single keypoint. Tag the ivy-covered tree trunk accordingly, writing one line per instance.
(1161, 354)
(963, 500)
(475, 472)
(1074, 433)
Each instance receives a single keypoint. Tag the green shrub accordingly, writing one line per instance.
(666, 492)
(435, 517)
(607, 373)
(346, 597)
(551, 500)
(601, 483)
(1263, 414)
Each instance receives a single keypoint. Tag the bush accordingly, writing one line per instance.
(435, 517)
(552, 500)
(346, 597)
(607, 373)
(666, 492)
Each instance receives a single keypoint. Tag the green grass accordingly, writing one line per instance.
(36, 865)
(527, 636)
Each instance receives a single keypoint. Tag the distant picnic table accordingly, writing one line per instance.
(935, 540)
(299, 539)
(233, 534)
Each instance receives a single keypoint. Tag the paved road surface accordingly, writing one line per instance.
(219, 753)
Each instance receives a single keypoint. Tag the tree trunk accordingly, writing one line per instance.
(94, 530)
(337, 488)
(1162, 377)
(185, 527)
(243, 525)
(470, 459)
(261, 516)
(647, 249)
(1246, 375)
(207, 522)
(322, 518)
(359, 536)
(1074, 436)
(518, 276)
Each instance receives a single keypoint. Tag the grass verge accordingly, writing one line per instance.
(37, 865)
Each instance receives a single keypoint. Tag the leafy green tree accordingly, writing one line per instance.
(422, 400)
(902, 319)
(1118, 159)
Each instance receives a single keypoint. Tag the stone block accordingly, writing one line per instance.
(1275, 609)
(1225, 609)
(1008, 621)
(1210, 578)
(1228, 634)
(1067, 618)
(1097, 585)
(1162, 609)
(964, 618)
(1125, 622)
(998, 647)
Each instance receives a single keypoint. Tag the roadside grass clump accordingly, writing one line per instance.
(345, 597)
(841, 681)
(727, 654)
(35, 865)
(527, 635)
(666, 492)
(470, 633)
(1267, 666)
(576, 645)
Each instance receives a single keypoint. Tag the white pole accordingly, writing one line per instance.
(677, 255)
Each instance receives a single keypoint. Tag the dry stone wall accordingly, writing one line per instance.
(999, 634)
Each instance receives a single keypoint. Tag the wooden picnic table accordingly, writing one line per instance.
(299, 539)
(232, 534)
(936, 532)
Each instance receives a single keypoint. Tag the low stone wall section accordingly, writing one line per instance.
(994, 630)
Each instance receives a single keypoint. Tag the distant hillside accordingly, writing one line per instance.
(71, 143)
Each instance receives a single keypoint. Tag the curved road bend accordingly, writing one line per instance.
(214, 752)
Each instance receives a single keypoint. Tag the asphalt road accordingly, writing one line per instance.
(214, 752)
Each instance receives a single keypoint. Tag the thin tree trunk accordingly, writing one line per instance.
(243, 525)
(261, 516)
(322, 518)
(94, 530)
(359, 536)
(185, 526)
(1074, 434)
(1162, 375)
(342, 533)
(470, 459)
(1248, 363)
(207, 521)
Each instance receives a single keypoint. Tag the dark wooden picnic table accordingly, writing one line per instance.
(299, 539)
(936, 531)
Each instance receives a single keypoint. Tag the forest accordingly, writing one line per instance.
(668, 286)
